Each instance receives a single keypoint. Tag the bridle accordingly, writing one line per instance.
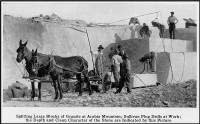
(36, 65)
(52, 65)
(21, 51)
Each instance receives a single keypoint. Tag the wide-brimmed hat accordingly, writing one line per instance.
(172, 12)
(100, 47)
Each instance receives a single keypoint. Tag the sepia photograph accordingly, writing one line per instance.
(99, 55)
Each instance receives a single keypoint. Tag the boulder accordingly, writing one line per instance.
(7, 94)
(17, 90)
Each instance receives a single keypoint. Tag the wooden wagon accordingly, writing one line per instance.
(94, 79)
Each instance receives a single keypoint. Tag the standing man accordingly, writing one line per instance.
(99, 61)
(172, 21)
(125, 69)
(134, 27)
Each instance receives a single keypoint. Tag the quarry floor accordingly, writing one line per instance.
(171, 95)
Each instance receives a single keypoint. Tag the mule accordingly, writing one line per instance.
(71, 66)
(43, 61)
(23, 53)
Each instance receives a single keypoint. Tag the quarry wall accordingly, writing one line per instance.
(65, 41)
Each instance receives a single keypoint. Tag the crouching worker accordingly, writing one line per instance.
(125, 69)
(107, 80)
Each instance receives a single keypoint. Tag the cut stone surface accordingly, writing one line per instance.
(170, 45)
(176, 67)
(142, 80)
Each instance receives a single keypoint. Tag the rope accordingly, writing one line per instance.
(90, 50)
(171, 46)
(87, 38)
(134, 16)
(171, 63)
(173, 78)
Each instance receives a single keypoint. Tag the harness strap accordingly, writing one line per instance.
(64, 68)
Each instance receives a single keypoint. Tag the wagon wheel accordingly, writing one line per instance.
(94, 78)
(95, 81)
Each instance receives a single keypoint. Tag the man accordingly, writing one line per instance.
(134, 21)
(160, 26)
(125, 69)
(149, 60)
(116, 61)
(120, 50)
(134, 27)
(172, 21)
(144, 31)
(99, 61)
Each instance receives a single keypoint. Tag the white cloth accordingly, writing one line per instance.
(111, 76)
(135, 30)
(116, 60)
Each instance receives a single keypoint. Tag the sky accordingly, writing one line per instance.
(105, 12)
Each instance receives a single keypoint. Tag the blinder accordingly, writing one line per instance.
(35, 64)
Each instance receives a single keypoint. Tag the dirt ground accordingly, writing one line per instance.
(171, 95)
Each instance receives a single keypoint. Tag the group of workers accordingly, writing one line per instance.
(171, 21)
(120, 67)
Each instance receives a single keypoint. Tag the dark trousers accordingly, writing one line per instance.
(172, 30)
(124, 80)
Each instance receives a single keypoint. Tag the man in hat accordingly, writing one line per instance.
(172, 21)
(125, 69)
(99, 61)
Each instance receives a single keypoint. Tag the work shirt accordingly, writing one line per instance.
(172, 19)
(116, 60)
(135, 28)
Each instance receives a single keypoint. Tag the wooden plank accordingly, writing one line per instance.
(45, 80)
